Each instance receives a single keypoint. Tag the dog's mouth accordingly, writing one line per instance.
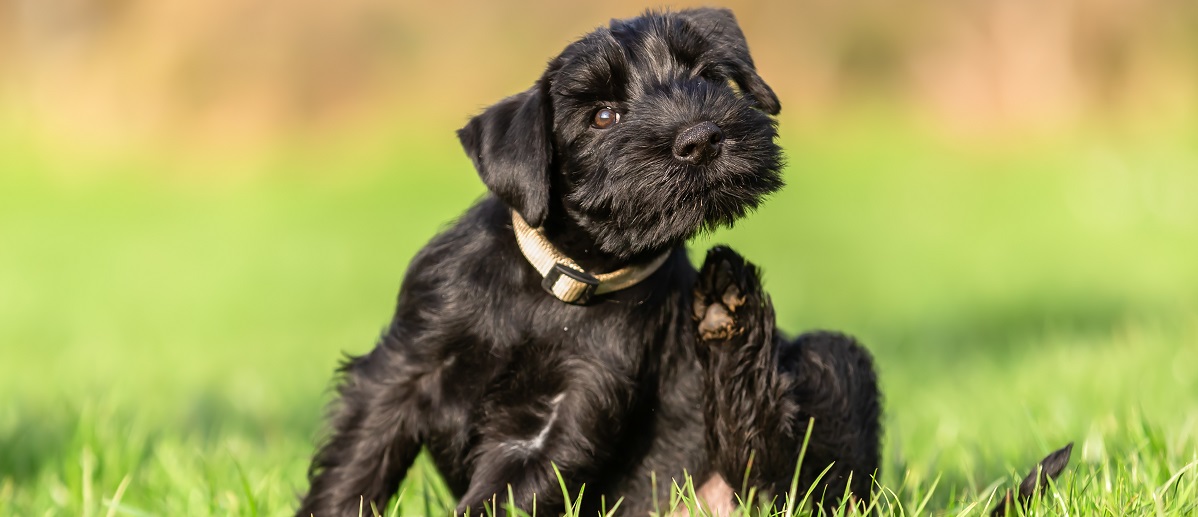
(730, 187)
(646, 198)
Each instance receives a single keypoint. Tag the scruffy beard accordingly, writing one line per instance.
(632, 196)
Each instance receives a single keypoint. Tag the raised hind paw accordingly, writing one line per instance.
(726, 293)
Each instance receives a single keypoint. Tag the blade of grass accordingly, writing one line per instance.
(245, 488)
(788, 506)
(927, 497)
(115, 502)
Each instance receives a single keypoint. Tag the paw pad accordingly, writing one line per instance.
(723, 287)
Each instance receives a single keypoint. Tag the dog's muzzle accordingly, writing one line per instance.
(564, 278)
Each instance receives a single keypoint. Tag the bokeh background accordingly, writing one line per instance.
(203, 204)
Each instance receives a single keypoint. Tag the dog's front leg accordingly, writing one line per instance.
(574, 430)
(763, 391)
(374, 441)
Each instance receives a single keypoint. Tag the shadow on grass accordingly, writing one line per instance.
(33, 440)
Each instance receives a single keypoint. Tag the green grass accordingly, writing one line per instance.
(167, 343)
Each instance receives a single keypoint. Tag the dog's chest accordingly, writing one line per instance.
(515, 396)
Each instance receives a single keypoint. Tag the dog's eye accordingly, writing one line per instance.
(605, 118)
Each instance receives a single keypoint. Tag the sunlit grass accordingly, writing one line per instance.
(167, 344)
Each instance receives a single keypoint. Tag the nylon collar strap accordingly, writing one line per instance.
(563, 278)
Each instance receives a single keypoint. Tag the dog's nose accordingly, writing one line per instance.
(699, 143)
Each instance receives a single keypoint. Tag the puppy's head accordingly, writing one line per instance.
(642, 134)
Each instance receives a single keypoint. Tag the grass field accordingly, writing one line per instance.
(167, 344)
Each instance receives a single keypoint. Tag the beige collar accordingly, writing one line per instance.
(563, 278)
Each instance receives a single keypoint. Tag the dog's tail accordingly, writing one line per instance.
(1049, 468)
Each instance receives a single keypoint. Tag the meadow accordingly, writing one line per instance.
(168, 341)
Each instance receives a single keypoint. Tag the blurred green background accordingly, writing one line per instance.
(203, 204)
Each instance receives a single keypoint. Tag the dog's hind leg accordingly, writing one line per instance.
(763, 391)
(836, 389)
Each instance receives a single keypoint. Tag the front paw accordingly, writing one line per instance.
(727, 285)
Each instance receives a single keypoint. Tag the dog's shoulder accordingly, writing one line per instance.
(483, 228)
(476, 252)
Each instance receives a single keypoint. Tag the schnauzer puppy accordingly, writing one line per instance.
(558, 326)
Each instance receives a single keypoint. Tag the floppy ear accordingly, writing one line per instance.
(511, 147)
(720, 25)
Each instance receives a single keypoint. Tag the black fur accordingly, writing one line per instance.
(500, 381)
(763, 391)
(1036, 482)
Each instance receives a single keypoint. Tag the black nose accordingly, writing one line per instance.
(699, 143)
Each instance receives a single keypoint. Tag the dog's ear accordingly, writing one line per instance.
(720, 26)
(511, 146)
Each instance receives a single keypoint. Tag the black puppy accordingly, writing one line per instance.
(559, 323)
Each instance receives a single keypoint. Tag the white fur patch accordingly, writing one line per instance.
(537, 441)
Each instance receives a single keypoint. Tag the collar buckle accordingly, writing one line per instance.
(570, 285)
